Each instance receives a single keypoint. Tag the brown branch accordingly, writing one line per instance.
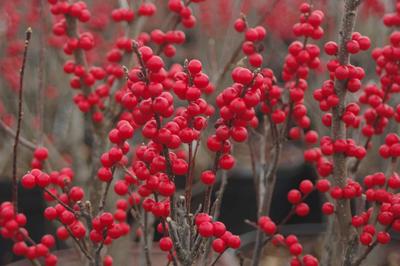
(41, 74)
(189, 184)
(266, 188)
(20, 114)
(145, 239)
(79, 244)
(59, 201)
(104, 196)
(338, 130)
(217, 258)
(218, 201)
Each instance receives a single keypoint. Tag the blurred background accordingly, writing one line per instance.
(52, 119)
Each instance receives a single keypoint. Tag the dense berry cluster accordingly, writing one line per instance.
(150, 118)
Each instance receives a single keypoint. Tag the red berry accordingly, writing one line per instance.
(106, 219)
(331, 48)
(323, 185)
(219, 229)
(218, 245)
(365, 238)
(234, 242)
(295, 249)
(226, 162)
(48, 241)
(383, 237)
(240, 25)
(208, 177)
(121, 187)
(278, 116)
(328, 208)
(41, 153)
(352, 47)
(107, 261)
(28, 181)
(194, 66)
(206, 229)
(302, 209)
(342, 73)
(50, 213)
(76, 193)
(166, 244)
(294, 196)
(306, 186)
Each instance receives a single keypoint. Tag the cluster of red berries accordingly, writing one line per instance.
(379, 180)
(391, 147)
(167, 40)
(347, 147)
(392, 19)
(185, 13)
(379, 113)
(296, 249)
(298, 62)
(310, 23)
(324, 165)
(36, 177)
(40, 154)
(223, 238)
(123, 14)
(296, 197)
(300, 59)
(271, 96)
(108, 227)
(77, 10)
(116, 154)
(253, 36)
(388, 217)
(12, 227)
(128, 15)
(236, 104)
(83, 78)
(351, 190)
(267, 225)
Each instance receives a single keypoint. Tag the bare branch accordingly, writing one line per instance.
(20, 113)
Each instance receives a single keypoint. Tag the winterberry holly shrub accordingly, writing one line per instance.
(148, 108)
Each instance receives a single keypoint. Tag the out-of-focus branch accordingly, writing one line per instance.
(24, 142)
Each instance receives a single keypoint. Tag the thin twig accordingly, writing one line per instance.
(20, 113)
(79, 244)
(104, 196)
(59, 201)
(218, 201)
(217, 258)
(41, 74)
(145, 239)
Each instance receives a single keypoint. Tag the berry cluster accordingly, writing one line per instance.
(250, 46)
(296, 249)
(12, 227)
(39, 156)
(156, 116)
(223, 238)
